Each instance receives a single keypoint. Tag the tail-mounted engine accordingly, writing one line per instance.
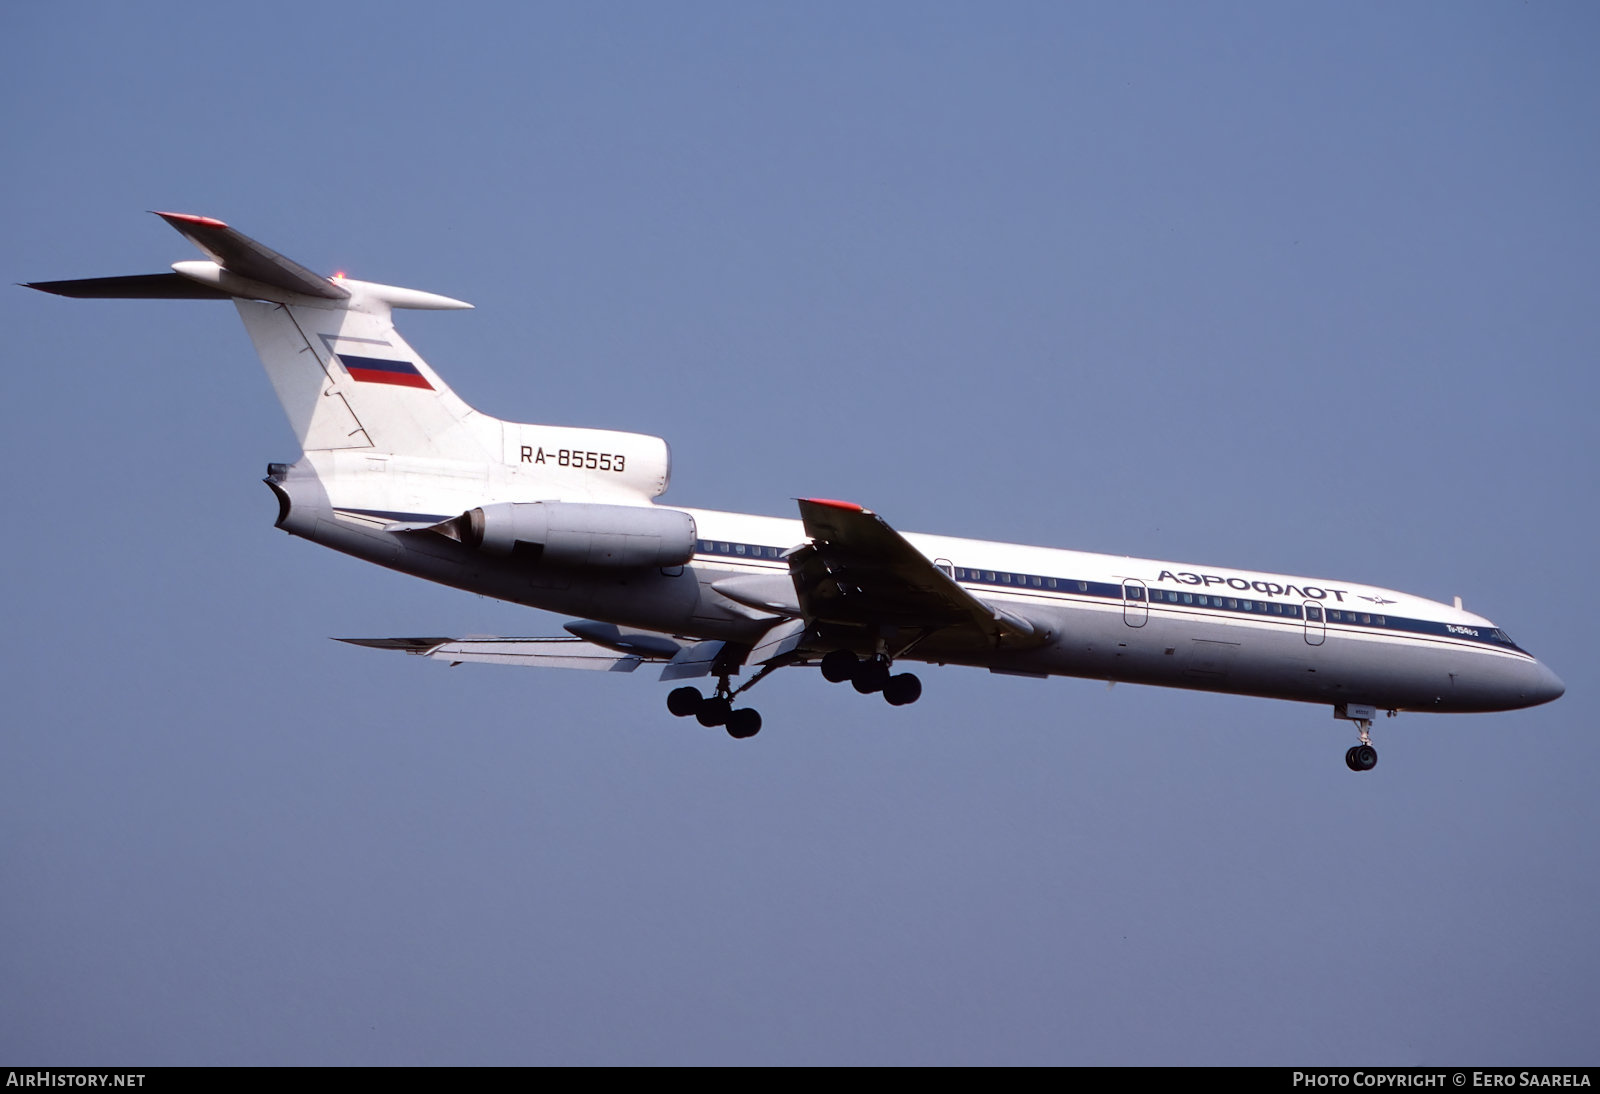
(567, 533)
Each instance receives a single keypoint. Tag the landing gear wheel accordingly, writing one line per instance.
(712, 712)
(902, 690)
(684, 701)
(838, 666)
(870, 676)
(1366, 757)
(1350, 757)
(743, 723)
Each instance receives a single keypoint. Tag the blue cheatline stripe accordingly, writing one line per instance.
(1071, 588)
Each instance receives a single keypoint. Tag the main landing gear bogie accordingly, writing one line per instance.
(714, 710)
(871, 675)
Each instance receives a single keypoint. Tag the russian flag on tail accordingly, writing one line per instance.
(381, 370)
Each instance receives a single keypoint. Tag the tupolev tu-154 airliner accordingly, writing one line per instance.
(397, 470)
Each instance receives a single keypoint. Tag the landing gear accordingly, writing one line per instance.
(743, 723)
(683, 701)
(714, 710)
(866, 675)
(871, 675)
(902, 690)
(838, 666)
(1361, 757)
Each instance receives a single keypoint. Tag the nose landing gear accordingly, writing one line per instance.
(1361, 757)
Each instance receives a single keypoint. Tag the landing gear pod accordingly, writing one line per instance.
(566, 533)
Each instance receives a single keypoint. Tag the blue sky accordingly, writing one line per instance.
(1308, 288)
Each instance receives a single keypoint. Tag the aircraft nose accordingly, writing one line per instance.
(1546, 686)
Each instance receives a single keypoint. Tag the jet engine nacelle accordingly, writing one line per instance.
(570, 533)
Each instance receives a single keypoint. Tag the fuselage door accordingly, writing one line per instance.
(1316, 626)
(1135, 602)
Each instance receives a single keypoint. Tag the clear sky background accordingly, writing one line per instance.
(1306, 288)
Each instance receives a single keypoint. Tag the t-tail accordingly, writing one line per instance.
(345, 377)
(380, 431)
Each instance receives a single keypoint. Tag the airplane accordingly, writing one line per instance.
(397, 470)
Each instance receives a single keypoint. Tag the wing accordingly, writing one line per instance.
(549, 653)
(857, 571)
(599, 647)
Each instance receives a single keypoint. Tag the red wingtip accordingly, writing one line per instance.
(832, 503)
(208, 222)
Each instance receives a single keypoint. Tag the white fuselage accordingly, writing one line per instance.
(1102, 616)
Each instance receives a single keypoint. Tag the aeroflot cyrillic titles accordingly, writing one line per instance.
(396, 469)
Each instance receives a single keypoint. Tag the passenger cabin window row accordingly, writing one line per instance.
(739, 550)
(1226, 603)
(1025, 581)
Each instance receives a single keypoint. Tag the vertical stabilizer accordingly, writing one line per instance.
(346, 379)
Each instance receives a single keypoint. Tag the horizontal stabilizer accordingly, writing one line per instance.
(161, 286)
(240, 255)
